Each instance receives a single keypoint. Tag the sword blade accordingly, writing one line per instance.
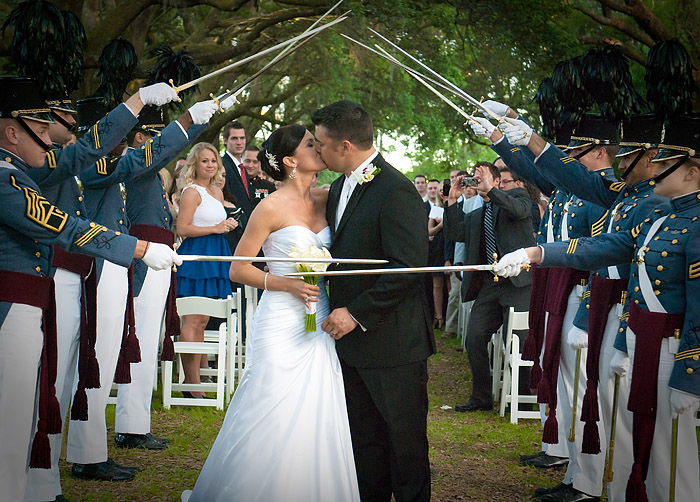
(283, 259)
(407, 270)
(465, 95)
(245, 60)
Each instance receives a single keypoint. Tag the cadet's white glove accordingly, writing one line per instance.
(157, 94)
(517, 131)
(204, 110)
(482, 127)
(577, 338)
(160, 256)
(228, 103)
(512, 263)
(494, 106)
(682, 402)
(620, 364)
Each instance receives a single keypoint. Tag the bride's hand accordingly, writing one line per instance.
(307, 293)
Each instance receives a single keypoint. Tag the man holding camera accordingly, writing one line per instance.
(503, 224)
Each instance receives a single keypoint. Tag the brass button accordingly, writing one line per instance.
(622, 329)
(665, 229)
(37, 268)
(657, 292)
(674, 241)
(117, 232)
(588, 306)
(696, 357)
(77, 213)
(624, 215)
(8, 159)
(121, 222)
(163, 207)
(694, 218)
(92, 224)
(664, 253)
(647, 220)
(164, 196)
(689, 371)
(80, 198)
(636, 288)
(672, 216)
(660, 268)
(684, 231)
(656, 238)
(617, 228)
(37, 254)
(571, 227)
(657, 282)
(637, 302)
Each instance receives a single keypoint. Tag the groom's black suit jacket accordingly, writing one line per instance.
(384, 219)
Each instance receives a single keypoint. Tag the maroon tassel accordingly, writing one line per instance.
(591, 439)
(41, 449)
(54, 423)
(168, 352)
(550, 433)
(636, 490)
(530, 349)
(133, 349)
(535, 375)
(92, 377)
(123, 371)
(79, 410)
(543, 391)
(589, 408)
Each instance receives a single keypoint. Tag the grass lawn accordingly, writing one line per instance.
(473, 456)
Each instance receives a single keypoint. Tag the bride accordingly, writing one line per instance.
(286, 435)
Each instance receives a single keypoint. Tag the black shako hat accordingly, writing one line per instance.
(640, 132)
(90, 111)
(20, 98)
(682, 139)
(152, 120)
(594, 130)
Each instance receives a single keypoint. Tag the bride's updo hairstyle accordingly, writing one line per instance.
(281, 143)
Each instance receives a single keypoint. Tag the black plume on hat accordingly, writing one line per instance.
(37, 45)
(606, 78)
(76, 42)
(546, 99)
(118, 62)
(572, 99)
(669, 79)
(176, 65)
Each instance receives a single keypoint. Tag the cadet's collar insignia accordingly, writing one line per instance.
(686, 201)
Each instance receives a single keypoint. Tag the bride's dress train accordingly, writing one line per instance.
(286, 435)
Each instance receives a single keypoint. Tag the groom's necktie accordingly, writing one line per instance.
(345, 194)
(489, 235)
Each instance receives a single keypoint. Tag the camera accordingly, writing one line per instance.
(446, 188)
(469, 181)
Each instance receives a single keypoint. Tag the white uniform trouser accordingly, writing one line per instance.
(134, 399)
(584, 471)
(623, 458)
(559, 449)
(87, 441)
(687, 468)
(452, 314)
(21, 342)
(45, 484)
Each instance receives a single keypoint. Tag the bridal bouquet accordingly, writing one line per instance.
(311, 252)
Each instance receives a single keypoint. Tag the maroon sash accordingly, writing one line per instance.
(649, 328)
(172, 319)
(560, 283)
(532, 346)
(604, 294)
(130, 351)
(39, 291)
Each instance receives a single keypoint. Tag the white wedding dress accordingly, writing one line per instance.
(286, 435)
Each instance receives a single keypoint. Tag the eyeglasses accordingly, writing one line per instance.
(505, 182)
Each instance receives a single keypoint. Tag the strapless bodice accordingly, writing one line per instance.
(281, 242)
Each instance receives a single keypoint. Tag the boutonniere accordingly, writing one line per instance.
(367, 174)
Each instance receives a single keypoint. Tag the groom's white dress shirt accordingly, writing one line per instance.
(349, 186)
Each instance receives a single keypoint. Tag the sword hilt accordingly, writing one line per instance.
(176, 89)
(216, 101)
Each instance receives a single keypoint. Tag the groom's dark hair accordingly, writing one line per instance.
(346, 120)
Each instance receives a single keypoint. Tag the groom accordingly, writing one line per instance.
(381, 322)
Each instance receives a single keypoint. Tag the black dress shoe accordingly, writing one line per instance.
(546, 491)
(523, 458)
(155, 438)
(545, 461)
(144, 441)
(568, 494)
(61, 498)
(103, 471)
(472, 405)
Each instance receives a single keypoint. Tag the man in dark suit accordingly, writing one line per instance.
(236, 177)
(381, 323)
(500, 226)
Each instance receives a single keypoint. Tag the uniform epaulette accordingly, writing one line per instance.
(102, 166)
(597, 227)
(513, 150)
(96, 135)
(40, 210)
(635, 231)
(572, 246)
(686, 354)
(617, 186)
(694, 270)
(567, 159)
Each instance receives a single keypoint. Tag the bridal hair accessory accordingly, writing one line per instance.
(368, 173)
(293, 174)
(311, 252)
(272, 161)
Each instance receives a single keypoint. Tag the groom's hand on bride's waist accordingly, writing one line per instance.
(339, 323)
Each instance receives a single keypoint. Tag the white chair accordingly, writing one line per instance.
(497, 355)
(220, 308)
(236, 358)
(511, 370)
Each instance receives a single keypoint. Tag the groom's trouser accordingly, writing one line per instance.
(388, 410)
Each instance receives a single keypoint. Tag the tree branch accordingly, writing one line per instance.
(628, 51)
(618, 24)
